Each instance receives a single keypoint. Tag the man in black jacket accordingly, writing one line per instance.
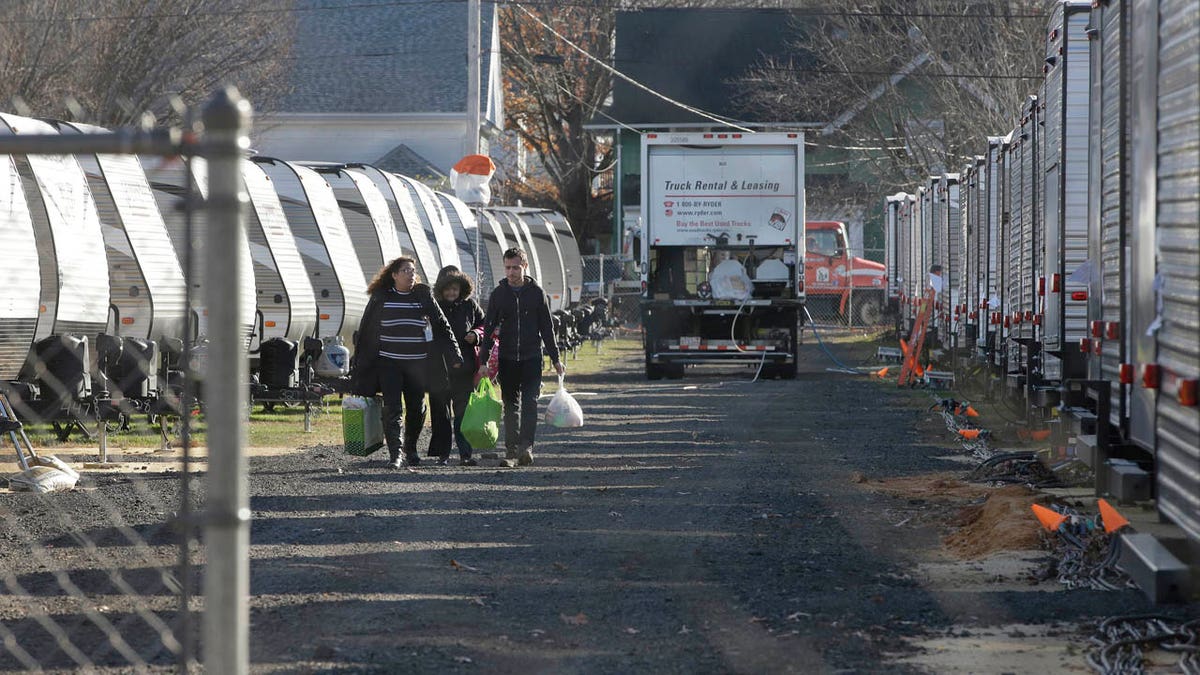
(519, 309)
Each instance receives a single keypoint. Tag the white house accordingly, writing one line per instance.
(384, 84)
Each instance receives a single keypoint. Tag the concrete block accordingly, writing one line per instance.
(1086, 447)
(1160, 575)
(1128, 482)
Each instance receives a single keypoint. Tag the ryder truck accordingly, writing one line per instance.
(722, 250)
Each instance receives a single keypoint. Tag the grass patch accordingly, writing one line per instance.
(284, 427)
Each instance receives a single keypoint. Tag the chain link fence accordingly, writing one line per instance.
(846, 290)
(616, 280)
(102, 568)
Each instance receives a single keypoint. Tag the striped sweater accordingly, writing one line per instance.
(402, 328)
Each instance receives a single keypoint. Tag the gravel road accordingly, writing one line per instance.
(709, 524)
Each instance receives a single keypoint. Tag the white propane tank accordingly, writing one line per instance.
(334, 360)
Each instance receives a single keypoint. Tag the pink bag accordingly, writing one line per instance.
(491, 366)
(493, 362)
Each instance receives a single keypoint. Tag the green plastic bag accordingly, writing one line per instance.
(481, 421)
(362, 425)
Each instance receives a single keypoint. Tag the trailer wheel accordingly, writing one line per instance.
(674, 371)
(654, 371)
(869, 310)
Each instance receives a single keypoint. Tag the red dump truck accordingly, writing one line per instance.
(837, 283)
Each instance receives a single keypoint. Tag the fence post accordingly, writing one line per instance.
(226, 523)
(600, 290)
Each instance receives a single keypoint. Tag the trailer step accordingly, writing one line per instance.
(889, 355)
(940, 379)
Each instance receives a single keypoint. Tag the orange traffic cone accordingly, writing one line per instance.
(1113, 521)
(969, 434)
(1049, 518)
(971, 412)
(881, 373)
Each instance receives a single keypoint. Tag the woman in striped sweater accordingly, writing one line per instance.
(401, 328)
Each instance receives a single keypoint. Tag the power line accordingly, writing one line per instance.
(887, 73)
(710, 116)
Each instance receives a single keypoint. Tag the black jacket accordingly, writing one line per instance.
(364, 374)
(523, 320)
(464, 316)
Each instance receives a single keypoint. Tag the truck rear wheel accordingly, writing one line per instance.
(787, 371)
(868, 311)
(654, 371)
(674, 371)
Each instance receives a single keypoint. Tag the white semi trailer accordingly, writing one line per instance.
(722, 250)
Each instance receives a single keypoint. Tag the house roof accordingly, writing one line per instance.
(358, 57)
(403, 160)
(694, 56)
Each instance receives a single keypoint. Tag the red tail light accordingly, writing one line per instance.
(1126, 373)
(1037, 320)
(1056, 283)
(1041, 285)
(1079, 296)
(1097, 329)
(1007, 323)
(1151, 374)
(1187, 393)
(1029, 315)
(1085, 345)
(1097, 347)
(1113, 330)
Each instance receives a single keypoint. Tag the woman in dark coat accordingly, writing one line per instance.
(402, 329)
(450, 388)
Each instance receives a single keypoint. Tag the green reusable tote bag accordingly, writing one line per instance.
(362, 425)
(481, 421)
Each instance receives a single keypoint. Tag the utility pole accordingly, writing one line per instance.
(474, 53)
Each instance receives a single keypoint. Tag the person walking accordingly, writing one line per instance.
(450, 388)
(401, 328)
(519, 308)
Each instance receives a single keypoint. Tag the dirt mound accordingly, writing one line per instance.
(1002, 523)
(991, 519)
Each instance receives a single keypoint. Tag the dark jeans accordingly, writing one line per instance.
(403, 385)
(447, 403)
(520, 382)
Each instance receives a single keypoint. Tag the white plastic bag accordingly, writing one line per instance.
(354, 403)
(729, 281)
(564, 410)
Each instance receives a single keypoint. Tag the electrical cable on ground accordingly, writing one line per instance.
(1120, 642)
(844, 368)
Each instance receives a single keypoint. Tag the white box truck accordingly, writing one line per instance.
(722, 250)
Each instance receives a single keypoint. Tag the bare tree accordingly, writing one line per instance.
(110, 61)
(552, 90)
(908, 86)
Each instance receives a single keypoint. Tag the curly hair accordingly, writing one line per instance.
(383, 279)
(465, 287)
